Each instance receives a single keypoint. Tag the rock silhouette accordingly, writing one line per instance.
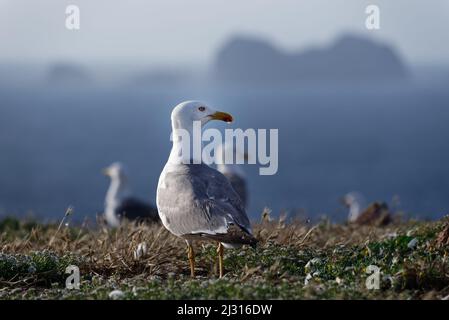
(351, 58)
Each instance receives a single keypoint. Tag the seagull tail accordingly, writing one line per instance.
(234, 235)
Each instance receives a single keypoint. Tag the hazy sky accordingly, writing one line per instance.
(189, 31)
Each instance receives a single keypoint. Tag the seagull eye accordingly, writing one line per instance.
(202, 108)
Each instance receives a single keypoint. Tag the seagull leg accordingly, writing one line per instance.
(220, 251)
(191, 256)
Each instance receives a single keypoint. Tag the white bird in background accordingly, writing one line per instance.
(195, 201)
(376, 213)
(233, 172)
(356, 203)
(120, 204)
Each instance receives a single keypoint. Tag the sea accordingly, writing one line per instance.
(388, 142)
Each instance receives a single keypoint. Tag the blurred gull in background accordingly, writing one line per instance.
(233, 172)
(119, 202)
(356, 203)
(376, 213)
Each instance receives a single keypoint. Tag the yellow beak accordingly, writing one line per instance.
(105, 171)
(223, 116)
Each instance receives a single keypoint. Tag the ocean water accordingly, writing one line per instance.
(385, 142)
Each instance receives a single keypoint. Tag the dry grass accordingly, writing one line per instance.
(293, 260)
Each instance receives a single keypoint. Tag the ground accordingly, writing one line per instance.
(296, 260)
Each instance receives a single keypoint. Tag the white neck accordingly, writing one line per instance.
(183, 136)
(354, 211)
(117, 192)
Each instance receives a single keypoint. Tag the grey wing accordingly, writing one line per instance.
(199, 200)
(239, 185)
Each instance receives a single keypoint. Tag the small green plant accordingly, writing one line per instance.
(292, 261)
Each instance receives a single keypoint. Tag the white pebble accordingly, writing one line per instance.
(412, 244)
(307, 279)
(116, 294)
(312, 262)
(141, 251)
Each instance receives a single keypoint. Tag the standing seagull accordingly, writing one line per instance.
(119, 203)
(194, 200)
(376, 213)
(356, 203)
(233, 172)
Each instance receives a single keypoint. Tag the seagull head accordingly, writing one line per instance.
(115, 171)
(355, 201)
(185, 113)
(353, 198)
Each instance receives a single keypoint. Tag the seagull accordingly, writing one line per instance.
(356, 203)
(195, 201)
(359, 213)
(119, 203)
(233, 172)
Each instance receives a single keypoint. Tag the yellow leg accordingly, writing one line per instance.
(191, 255)
(220, 251)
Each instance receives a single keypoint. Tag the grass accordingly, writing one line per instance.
(292, 261)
